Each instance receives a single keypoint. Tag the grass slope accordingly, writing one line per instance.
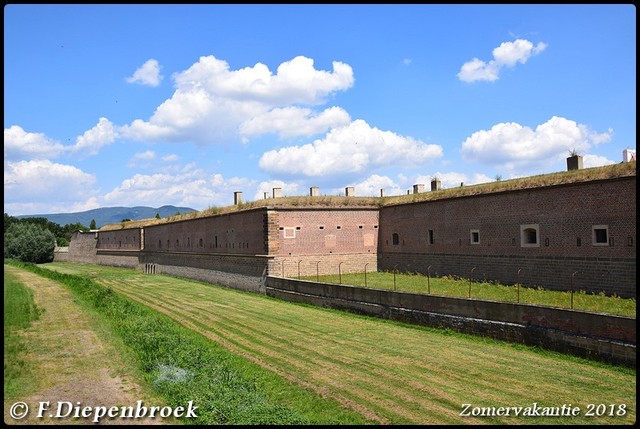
(390, 372)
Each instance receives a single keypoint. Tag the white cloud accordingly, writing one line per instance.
(148, 74)
(508, 54)
(90, 143)
(293, 121)
(211, 102)
(46, 182)
(148, 155)
(19, 144)
(589, 161)
(190, 188)
(350, 149)
(170, 158)
(518, 149)
(286, 189)
(371, 186)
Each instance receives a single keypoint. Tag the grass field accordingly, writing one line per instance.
(457, 287)
(19, 311)
(389, 372)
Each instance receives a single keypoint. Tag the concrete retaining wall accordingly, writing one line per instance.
(593, 335)
(237, 271)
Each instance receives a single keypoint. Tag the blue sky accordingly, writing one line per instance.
(125, 105)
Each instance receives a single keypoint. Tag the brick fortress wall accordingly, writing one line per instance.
(489, 233)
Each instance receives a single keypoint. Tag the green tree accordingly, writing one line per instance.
(157, 215)
(29, 242)
(9, 220)
(92, 225)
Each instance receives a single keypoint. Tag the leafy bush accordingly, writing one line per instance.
(29, 243)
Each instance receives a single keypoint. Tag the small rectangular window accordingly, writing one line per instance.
(530, 235)
(600, 235)
(430, 239)
(475, 236)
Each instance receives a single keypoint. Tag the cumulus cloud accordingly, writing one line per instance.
(45, 181)
(170, 158)
(189, 188)
(354, 148)
(294, 121)
(517, 148)
(212, 103)
(508, 54)
(286, 189)
(147, 155)
(90, 143)
(371, 186)
(589, 161)
(19, 144)
(148, 74)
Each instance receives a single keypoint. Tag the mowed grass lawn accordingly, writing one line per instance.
(392, 373)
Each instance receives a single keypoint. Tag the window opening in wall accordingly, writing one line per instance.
(475, 236)
(321, 227)
(177, 243)
(430, 239)
(200, 243)
(338, 227)
(395, 239)
(375, 226)
(215, 242)
(168, 244)
(578, 241)
(188, 242)
(600, 235)
(160, 244)
(529, 235)
(629, 240)
(360, 226)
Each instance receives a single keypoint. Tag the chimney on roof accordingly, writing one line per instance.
(237, 198)
(349, 191)
(435, 184)
(418, 188)
(574, 162)
(628, 155)
(314, 191)
(277, 192)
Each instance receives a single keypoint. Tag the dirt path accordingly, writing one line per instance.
(72, 363)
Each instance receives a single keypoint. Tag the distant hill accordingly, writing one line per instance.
(109, 215)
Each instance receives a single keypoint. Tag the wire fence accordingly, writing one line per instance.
(474, 285)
